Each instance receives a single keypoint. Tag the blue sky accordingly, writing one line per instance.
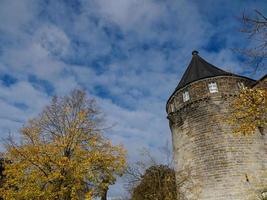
(128, 54)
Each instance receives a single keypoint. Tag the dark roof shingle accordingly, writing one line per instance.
(199, 69)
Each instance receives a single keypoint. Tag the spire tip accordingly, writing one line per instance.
(195, 52)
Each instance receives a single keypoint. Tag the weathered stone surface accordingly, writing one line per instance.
(223, 166)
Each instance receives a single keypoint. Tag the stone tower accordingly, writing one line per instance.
(222, 166)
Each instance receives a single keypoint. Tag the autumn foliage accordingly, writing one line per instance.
(158, 183)
(249, 111)
(62, 154)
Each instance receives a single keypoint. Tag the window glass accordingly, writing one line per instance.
(172, 108)
(213, 87)
(241, 85)
(186, 96)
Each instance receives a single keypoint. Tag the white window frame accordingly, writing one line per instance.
(186, 96)
(213, 87)
(241, 85)
(172, 108)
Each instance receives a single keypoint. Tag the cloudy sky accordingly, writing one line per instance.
(128, 54)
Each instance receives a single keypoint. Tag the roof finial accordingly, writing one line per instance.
(195, 52)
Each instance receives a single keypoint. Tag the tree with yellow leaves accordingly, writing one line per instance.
(157, 183)
(62, 154)
(249, 111)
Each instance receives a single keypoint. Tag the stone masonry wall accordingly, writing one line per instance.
(222, 166)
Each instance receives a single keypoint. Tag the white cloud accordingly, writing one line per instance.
(53, 40)
(23, 92)
(18, 103)
(131, 13)
(31, 59)
(15, 14)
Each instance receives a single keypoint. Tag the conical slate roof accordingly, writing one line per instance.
(199, 69)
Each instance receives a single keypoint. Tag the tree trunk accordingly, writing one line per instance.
(104, 195)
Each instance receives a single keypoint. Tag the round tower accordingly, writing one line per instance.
(222, 166)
